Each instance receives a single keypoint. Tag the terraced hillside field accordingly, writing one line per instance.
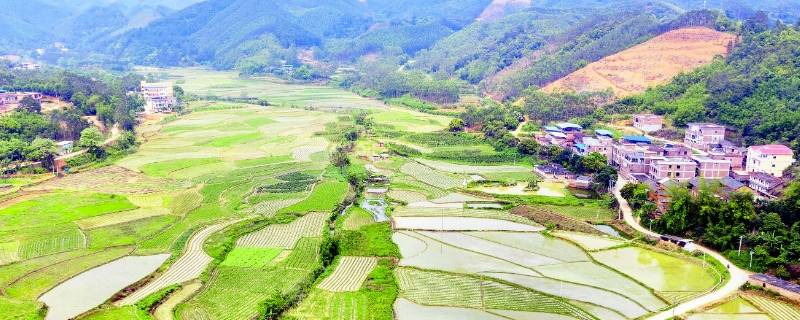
(653, 62)
(192, 177)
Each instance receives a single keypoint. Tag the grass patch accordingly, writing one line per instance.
(373, 240)
(325, 197)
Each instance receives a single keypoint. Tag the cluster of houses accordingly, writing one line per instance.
(158, 97)
(10, 100)
(703, 157)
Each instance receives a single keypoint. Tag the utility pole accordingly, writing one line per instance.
(751, 259)
(740, 246)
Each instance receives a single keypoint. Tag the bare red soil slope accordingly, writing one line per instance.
(648, 64)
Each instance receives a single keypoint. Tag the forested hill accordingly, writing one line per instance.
(755, 90)
(222, 32)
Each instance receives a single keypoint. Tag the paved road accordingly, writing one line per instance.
(737, 279)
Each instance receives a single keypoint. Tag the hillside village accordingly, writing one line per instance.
(703, 157)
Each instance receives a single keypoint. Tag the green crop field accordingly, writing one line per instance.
(228, 84)
(250, 257)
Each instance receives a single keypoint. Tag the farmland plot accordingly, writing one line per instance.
(349, 274)
(450, 290)
(286, 235)
(188, 266)
(623, 305)
(235, 292)
(590, 274)
(91, 288)
(547, 246)
(590, 242)
(488, 248)
(776, 309)
(659, 271)
(462, 212)
(432, 177)
(121, 217)
(736, 308)
(423, 252)
(459, 224)
(468, 169)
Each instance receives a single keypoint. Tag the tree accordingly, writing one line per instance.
(92, 140)
(594, 162)
(456, 125)
(528, 147)
(42, 149)
(31, 105)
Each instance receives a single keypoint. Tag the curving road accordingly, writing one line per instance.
(738, 277)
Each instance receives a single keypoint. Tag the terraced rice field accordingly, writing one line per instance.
(349, 274)
(448, 290)
(285, 236)
(411, 121)
(92, 288)
(776, 309)
(525, 263)
(471, 169)
(188, 266)
(235, 292)
(432, 177)
(250, 257)
(733, 309)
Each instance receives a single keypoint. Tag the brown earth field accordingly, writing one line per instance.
(648, 64)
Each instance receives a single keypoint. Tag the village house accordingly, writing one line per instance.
(553, 171)
(65, 147)
(589, 145)
(772, 159)
(703, 135)
(11, 100)
(728, 151)
(723, 187)
(636, 140)
(603, 133)
(158, 97)
(675, 150)
(709, 168)
(648, 122)
(767, 186)
(567, 127)
(679, 169)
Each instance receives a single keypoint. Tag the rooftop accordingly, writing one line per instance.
(773, 149)
(705, 159)
(636, 139)
(567, 125)
(777, 282)
(558, 135)
(602, 132)
(766, 177)
(552, 129)
(706, 124)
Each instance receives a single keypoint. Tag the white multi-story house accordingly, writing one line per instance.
(772, 159)
(158, 97)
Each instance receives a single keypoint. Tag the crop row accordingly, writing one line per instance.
(349, 274)
(778, 310)
(443, 289)
(430, 176)
(285, 235)
(43, 246)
